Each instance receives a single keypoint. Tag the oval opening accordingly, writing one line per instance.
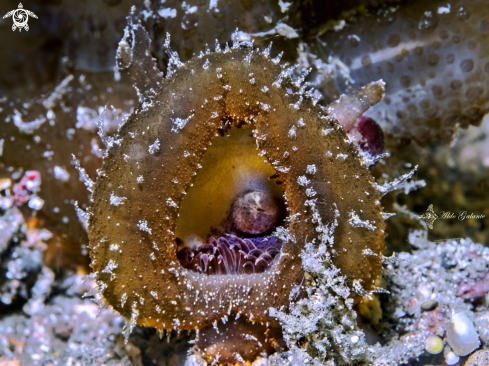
(227, 219)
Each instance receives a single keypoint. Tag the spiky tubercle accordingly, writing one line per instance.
(212, 89)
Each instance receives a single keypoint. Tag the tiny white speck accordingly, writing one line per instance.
(155, 147)
(143, 226)
(303, 181)
(311, 169)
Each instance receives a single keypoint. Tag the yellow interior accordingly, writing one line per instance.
(230, 166)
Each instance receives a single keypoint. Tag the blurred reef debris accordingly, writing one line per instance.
(62, 98)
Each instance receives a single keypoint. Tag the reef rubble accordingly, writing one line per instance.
(423, 291)
(430, 304)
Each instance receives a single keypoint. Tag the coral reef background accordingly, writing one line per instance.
(56, 79)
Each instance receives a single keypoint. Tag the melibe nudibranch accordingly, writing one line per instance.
(213, 187)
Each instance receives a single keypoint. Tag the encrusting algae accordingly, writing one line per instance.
(137, 224)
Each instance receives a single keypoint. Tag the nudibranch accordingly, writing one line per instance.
(192, 225)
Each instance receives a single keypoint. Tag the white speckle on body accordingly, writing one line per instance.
(143, 226)
(115, 200)
(155, 147)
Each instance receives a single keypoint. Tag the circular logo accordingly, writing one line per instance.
(20, 18)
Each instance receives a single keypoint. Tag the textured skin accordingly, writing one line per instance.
(122, 255)
(78, 38)
(87, 34)
(432, 55)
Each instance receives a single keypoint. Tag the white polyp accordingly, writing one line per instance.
(286, 31)
(171, 203)
(357, 286)
(123, 299)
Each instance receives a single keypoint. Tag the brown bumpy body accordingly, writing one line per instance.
(133, 243)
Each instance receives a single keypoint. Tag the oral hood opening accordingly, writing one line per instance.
(227, 220)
